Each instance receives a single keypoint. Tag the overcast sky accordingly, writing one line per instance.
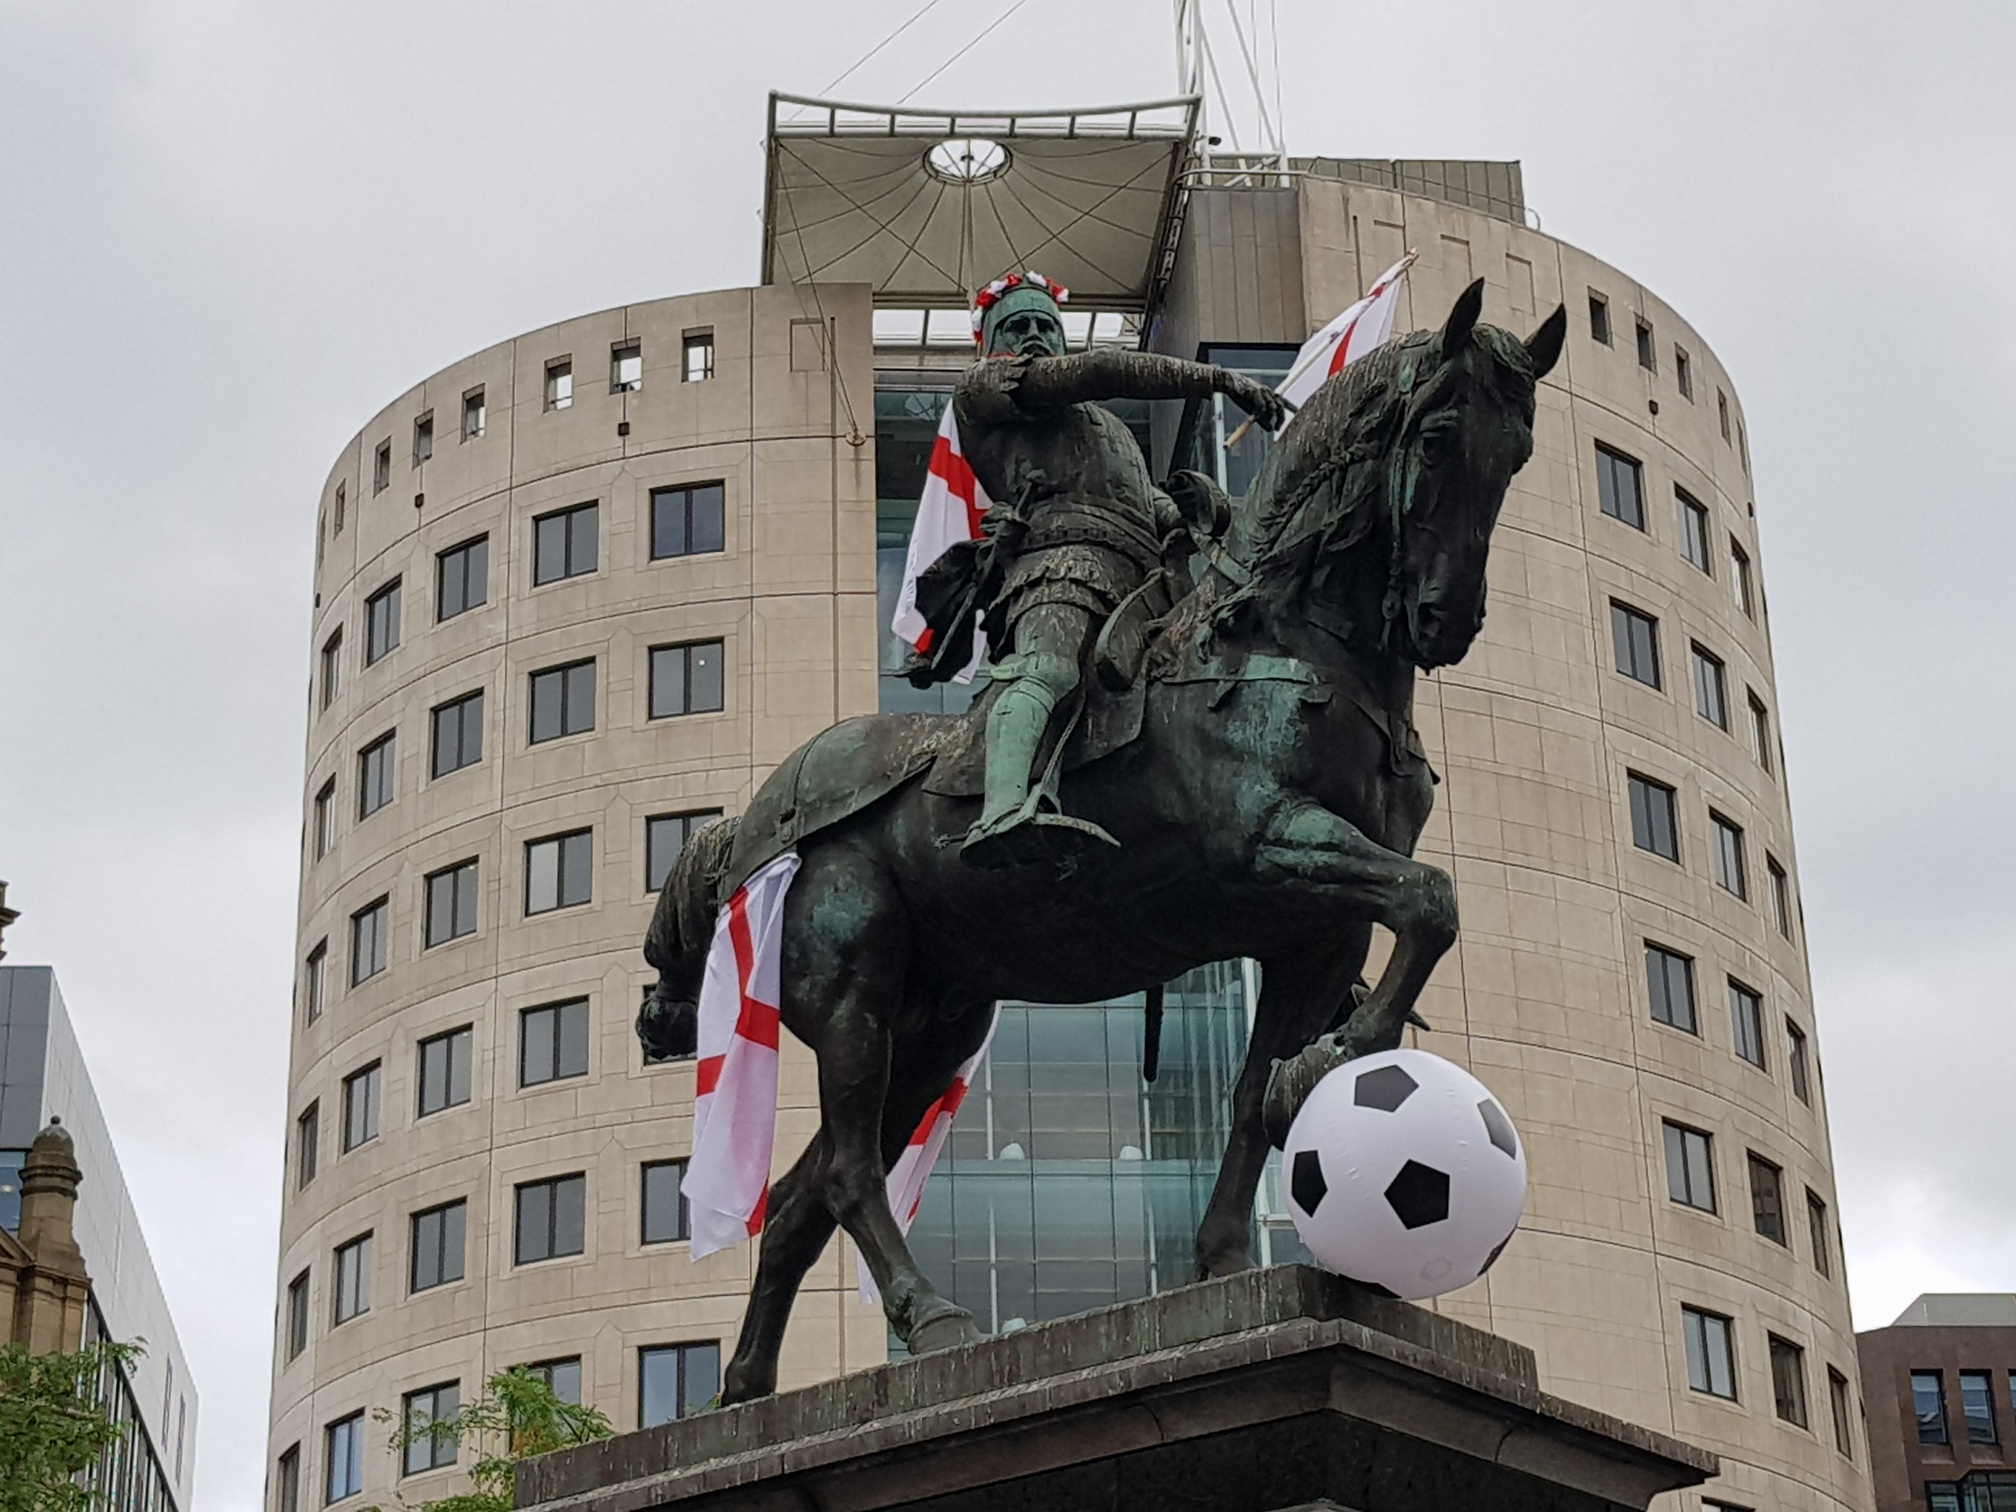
(230, 231)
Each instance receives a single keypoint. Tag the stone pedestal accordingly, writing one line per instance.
(1274, 1390)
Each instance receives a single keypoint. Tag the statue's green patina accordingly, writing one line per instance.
(1260, 779)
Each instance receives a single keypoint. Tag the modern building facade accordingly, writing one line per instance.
(585, 587)
(1940, 1388)
(43, 1076)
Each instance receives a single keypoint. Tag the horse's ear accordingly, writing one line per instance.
(1462, 320)
(1544, 345)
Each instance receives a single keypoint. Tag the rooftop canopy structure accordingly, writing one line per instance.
(926, 206)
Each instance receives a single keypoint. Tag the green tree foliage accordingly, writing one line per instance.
(516, 1417)
(53, 1425)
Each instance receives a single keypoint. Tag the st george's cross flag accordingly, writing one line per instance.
(727, 1185)
(1365, 327)
(948, 511)
(927, 1142)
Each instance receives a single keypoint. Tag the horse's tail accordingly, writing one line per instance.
(682, 928)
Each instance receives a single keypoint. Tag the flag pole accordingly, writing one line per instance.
(1307, 362)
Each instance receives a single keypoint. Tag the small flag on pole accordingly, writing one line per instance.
(948, 511)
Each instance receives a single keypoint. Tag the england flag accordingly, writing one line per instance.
(1365, 327)
(948, 511)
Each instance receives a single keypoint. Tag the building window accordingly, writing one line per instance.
(375, 771)
(550, 1216)
(1669, 981)
(626, 368)
(428, 1446)
(317, 974)
(557, 871)
(560, 384)
(1817, 1229)
(1781, 896)
(458, 734)
(444, 1069)
(332, 667)
(1711, 1359)
(1739, 579)
(686, 679)
(1648, 358)
(1788, 1380)
(360, 1106)
(1599, 318)
(665, 1217)
(1977, 1406)
(423, 438)
(381, 467)
(676, 1381)
(1683, 374)
(1837, 1398)
(370, 928)
(1743, 448)
(688, 520)
(325, 819)
(1942, 1496)
(1746, 1014)
(1711, 699)
(287, 1475)
(563, 701)
(1654, 827)
(553, 1042)
(1795, 1061)
(665, 835)
(353, 1279)
(1694, 531)
(1722, 412)
(1928, 1404)
(462, 578)
(1760, 731)
(297, 1315)
(1767, 1198)
(1690, 1167)
(1635, 635)
(341, 502)
(475, 414)
(345, 1440)
(1619, 487)
(437, 1245)
(1730, 873)
(451, 904)
(562, 1377)
(699, 354)
(564, 543)
(307, 1143)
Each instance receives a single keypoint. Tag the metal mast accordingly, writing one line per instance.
(1242, 123)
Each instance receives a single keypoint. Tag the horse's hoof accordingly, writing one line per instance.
(948, 1329)
(1225, 1263)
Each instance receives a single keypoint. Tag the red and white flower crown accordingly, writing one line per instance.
(990, 296)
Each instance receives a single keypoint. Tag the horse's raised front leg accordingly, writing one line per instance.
(1299, 998)
(1309, 847)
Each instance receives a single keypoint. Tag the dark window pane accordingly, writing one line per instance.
(381, 622)
(580, 697)
(1669, 978)
(664, 1204)
(1636, 638)
(668, 522)
(1599, 319)
(1730, 872)
(675, 1381)
(1690, 1169)
(535, 1222)
(563, 701)
(1711, 1364)
(707, 530)
(553, 1043)
(1977, 1406)
(1767, 1199)
(458, 734)
(1652, 818)
(569, 1214)
(1928, 1403)
(549, 549)
(665, 835)
(462, 578)
(1788, 1380)
(1617, 487)
(376, 767)
(668, 681)
(704, 678)
(571, 1053)
(1746, 1013)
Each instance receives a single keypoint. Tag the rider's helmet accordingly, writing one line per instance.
(1010, 295)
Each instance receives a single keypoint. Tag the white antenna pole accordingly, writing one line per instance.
(1197, 74)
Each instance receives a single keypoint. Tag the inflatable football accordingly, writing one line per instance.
(1403, 1172)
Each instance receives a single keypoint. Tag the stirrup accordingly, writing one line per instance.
(1033, 833)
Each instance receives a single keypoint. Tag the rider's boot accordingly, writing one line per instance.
(1013, 825)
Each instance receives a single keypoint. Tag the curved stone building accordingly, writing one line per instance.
(595, 581)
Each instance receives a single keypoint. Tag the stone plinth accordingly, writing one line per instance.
(1276, 1389)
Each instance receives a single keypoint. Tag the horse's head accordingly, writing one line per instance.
(1464, 427)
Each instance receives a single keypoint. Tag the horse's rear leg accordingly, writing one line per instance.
(796, 1226)
(1299, 999)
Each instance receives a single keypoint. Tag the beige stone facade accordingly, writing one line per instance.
(44, 1291)
(1545, 997)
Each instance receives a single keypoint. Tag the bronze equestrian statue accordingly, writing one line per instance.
(1261, 776)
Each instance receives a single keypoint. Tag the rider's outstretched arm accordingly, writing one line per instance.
(1113, 373)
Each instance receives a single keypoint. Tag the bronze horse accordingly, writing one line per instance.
(1267, 807)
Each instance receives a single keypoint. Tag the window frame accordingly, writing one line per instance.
(1797, 1071)
(569, 547)
(332, 666)
(1599, 318)
(1740, 586)
(362, 1124)
(546, 1370)
(552, 1186)
(475, 403)
(622, 354)
(1634, 639)
(561, 898)
(1841, 1403)
(423, 440)
(458, 885)
(350, 1430)
(464, 717)
(1683, 372)
(1767, 1199)
(379, 913)
(381, 467)
(688, 495)
(1819, 1233)
(1611, 465)
(682, 1216)
(379, 757)
(1687, 1142)
(295, 1323)
(432, 1445)
(463, 560)
(1732, 867)
(559, 384)
(1746, 1024)
(1988, 1433)
(690, 822)
(569, 686)
(1659, 958)
(1648, 345)
(324, 839)
(351, 1269)
(315, 981)
(419, 1241)
(1760, 729)
(559, 1041)
(307, 1143)
(1712, 1327)
(686, 660)
(1710, 675)
(1931, 1430)
(287, 1480)
(689, 343)
(384, 614)
(1652, 787)
(446, 1076)
(1697, 532)
(1788, 1384)
(683, 1353)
